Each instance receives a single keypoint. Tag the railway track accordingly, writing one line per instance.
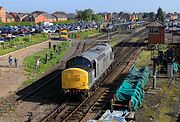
(76, 111)
(33, 91)
(102, 94)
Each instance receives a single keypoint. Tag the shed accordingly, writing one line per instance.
(156, 34)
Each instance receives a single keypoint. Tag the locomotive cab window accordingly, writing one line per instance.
(79, 62)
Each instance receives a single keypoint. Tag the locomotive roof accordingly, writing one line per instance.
(95, 52)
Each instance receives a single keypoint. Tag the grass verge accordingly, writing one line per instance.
(31, 70)
(87, 33)
(22, 42)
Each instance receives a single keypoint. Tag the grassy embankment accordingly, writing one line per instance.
(22, 42)
(88, 33)
(32, 73)
(17, 24)
(66, 22)
(157, 104)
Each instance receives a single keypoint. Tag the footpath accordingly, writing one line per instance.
(11, 77)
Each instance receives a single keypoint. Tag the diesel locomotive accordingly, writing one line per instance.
(83, 71)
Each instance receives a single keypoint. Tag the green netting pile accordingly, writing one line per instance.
(132, 87)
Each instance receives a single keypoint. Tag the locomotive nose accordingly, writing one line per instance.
(74, 78)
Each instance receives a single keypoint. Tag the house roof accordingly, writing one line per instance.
(21, 15)
(155, 24)
(60, 14)
(9, 16)
(70, 15)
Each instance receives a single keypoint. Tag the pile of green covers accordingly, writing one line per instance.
(132, 87)
(176, 67)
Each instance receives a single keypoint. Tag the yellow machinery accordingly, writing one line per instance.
(63, 34)
(74, 78)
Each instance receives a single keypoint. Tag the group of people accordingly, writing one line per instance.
(10, 61)
(54, 48)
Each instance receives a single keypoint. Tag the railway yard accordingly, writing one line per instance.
(53, 99)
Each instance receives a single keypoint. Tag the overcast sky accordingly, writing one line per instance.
(97, 5)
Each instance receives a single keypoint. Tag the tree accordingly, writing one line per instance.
(97, 17)
(151, 15)
(79, 15)
(145, 15)
(160, 15)
(85, 15)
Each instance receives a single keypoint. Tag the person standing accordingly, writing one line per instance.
(46, 58)
(54, 47)
(51, 55)
(49, 45)
(10, 59)
(37, 64)
(59, 49)
(15, 62)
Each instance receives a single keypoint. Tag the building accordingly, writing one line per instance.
(10, 17)
(156, 33)
(37, 17)
(21, 16)
(18, 16)
(107, 16)
(60, 16)
(2, 14)
(71, 16)
(172, 16)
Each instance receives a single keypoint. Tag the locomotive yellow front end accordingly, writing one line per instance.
(74, 79)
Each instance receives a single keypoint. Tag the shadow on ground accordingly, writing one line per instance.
(50, 93)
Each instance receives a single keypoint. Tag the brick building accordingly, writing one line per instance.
(37, 17)
(60, 16)
(156, 33)
(2, 14)
(10, 17)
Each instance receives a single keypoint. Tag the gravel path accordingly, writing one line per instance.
(11, 78)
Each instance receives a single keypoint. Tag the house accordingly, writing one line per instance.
(107, 16)
(21, 16)
(156, 33)
(37, 17)
(15, 15)
(71, 16)
(9, 17)
(172, 16)
(60, 16)
(2, 14)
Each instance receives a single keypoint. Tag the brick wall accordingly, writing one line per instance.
(3, 14)
(41, 18)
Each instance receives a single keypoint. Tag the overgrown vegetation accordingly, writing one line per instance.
(157, 105)
(144, 59)
(32, 72)
(87, 33)
(22, 42)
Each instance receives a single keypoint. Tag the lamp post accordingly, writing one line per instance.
(172, 29)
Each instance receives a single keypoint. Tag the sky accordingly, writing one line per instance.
(97, 5)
